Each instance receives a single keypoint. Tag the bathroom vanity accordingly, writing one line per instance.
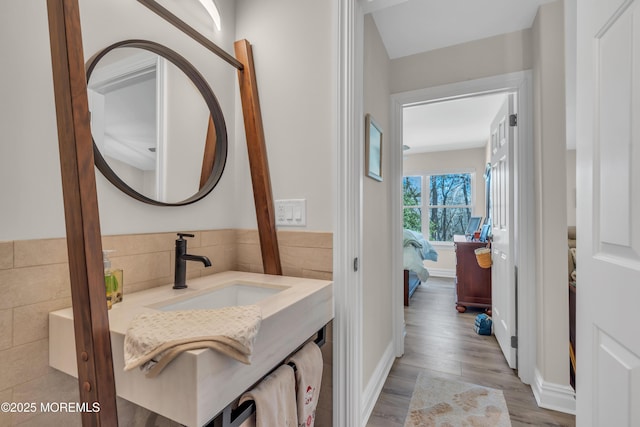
(199, 384)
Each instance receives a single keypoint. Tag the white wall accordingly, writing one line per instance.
(571, 187)
(377, 278)
(30, 184)
(471, 160)
(551, 194)
(488, 57)
(295, 59)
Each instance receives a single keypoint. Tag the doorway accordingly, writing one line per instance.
(458, 189)
(523, 243)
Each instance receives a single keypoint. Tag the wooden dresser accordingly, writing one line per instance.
(473, 283)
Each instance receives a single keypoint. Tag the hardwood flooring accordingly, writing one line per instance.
(442, 342)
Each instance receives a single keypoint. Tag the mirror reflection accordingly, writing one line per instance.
(159, 134)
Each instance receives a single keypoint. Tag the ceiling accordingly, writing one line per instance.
(450, 125)
(408, 27)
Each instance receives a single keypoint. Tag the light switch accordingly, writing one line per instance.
(291, 212)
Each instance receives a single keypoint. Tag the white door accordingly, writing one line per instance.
(502, 272)
(608, 244)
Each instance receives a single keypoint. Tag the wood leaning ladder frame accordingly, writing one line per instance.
(84, 242)
(260, 177)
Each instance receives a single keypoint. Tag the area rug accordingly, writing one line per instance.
(444, 403)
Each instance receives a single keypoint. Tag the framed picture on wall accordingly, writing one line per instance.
(373, 148)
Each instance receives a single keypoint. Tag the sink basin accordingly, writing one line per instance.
(233, 294)
(203, 382)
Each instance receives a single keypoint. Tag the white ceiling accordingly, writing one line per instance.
(408, 27)
(450, 125)
(413, 26)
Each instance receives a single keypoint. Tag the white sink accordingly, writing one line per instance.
(203, 382)
(229, 295)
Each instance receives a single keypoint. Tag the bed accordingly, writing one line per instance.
(415, 249)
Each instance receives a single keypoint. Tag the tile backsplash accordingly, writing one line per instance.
(34, 280)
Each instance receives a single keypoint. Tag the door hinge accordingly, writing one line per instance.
(513, 120)
(514, 342)
(355, 264)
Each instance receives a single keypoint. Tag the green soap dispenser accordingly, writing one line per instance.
(112, 280)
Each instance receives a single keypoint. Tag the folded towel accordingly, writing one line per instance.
(275, 399)
(155, 339)
(308, 363)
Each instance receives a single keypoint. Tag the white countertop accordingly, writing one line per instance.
(200, 383)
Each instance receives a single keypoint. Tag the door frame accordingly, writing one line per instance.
(524, 250)
(347, 213)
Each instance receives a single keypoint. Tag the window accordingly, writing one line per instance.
(438, 206)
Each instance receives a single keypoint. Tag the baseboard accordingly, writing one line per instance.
(442, 272)
(553, 396)
(374, 387)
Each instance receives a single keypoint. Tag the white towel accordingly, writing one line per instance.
(275, 399)
(155, 339)
(308, 363)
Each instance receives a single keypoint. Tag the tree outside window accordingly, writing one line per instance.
(438, 206)
(412, 200)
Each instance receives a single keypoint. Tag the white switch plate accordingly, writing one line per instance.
(291, 212)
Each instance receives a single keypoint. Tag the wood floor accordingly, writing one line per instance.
(442, 342)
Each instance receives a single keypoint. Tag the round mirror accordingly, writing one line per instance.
(158, 131)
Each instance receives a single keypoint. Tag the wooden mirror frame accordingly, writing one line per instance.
(219, 147)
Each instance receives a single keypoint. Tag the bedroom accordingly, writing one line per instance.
(441, 153)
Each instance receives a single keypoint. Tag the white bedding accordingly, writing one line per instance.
(416, 249)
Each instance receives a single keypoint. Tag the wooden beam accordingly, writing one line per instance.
(167, 15)
(84, 243)
(258, 164)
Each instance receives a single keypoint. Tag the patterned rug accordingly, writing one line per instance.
(443, 403)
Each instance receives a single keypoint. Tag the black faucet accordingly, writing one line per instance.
(181, 261)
